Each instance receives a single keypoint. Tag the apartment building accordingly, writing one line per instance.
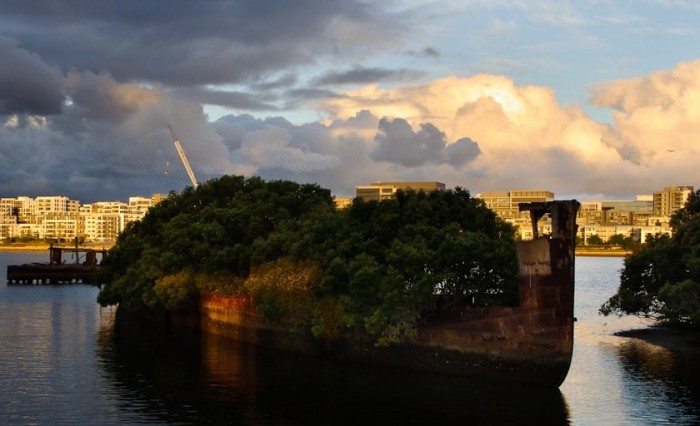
(26, 212)
(55, 206)
(506, 204)
(9, 207)
(387, 190)
(115, 207)
(59, 228)
(636, 218)
(342, 202)
(140, 205)
(103, 226)
(671, 199)
(58, 217)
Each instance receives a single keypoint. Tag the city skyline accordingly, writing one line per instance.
(645, 196)
(59, 217)
(592, 100)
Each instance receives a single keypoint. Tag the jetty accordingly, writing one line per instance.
(83, 269)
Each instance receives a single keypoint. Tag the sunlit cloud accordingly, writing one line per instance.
(482, 94)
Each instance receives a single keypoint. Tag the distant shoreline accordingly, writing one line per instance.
(602, 253)
(45, 247)
(24, 247)
(677, 339)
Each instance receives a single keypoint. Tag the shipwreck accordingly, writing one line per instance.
(531, 343)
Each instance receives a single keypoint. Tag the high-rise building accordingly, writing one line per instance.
(671, 199)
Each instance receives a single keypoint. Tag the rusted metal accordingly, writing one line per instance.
(531, 343)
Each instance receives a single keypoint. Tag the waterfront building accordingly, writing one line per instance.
(635, 219)
(653, 231)
(642, 204)
(59, 228)
(26, 209)
(629, 218)
(342, 202)
(387, 190)
(506, 204)
(53, 205)
(101, 227)
(157, 198)
(9, 207)
(671, 199)
(590, 213)
(21, 230)
(60, 218)
(140, 205)
(6, 225)
(636, 233)
(105, 207)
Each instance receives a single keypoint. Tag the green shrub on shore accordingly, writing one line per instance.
(662, 280)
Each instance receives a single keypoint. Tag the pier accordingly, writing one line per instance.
(57, 271)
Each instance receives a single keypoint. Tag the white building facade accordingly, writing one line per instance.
(60, 218)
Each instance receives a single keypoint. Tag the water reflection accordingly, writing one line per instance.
(661, 378)
(182, 377)
(64, 361)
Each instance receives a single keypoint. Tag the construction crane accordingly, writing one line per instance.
(183, 157)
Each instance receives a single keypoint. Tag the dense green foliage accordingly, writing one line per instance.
(662, 279)
(375, 268)
(617, 240)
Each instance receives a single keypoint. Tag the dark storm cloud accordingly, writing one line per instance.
(100, 97)
(232, 128)
(311, 94)
(87, 90)
(398, 143)
(287, 80)
(110, 141)
(183, 42)
(431, 52)
(275, 148)
(361, 75)
(238, 100)
(27, 85)
(427, 52)
(461, 152)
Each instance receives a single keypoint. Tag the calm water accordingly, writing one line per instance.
(63, 361)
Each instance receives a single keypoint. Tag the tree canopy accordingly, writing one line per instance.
(377, 267)
(662, 279)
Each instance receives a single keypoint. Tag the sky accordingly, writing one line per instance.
(590, 99)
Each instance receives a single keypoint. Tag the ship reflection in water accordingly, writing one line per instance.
(64, 361)
(184, 377)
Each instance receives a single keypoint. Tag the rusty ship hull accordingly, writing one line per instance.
(531, 343)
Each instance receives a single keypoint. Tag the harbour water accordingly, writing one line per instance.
(63, 361)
